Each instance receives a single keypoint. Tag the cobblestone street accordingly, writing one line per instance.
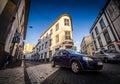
(109, 75)
(44, 74)
(12, 76)
(39, 73)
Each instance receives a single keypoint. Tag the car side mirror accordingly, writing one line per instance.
(65, 53)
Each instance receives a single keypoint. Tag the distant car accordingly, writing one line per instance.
(76, 61)
(108, 55)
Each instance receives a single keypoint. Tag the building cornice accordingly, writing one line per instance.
(99, 15)
(56, 21)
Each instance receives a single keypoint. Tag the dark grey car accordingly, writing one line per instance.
(108, 55)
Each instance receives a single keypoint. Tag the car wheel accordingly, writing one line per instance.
(53, 64)
(75, 66)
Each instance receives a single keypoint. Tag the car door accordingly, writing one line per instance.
(64, 58)
(57, 57)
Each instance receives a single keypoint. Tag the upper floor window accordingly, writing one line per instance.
(107, 37)
(39, 40)
(57, 38)
(39, 48)
(67, 35)
(46, 44)
(57, 26)
(51, 32)
(102, 24)
(42, 46)
(47, 35)
(43, 39)
(50, 42)
(95, 45)
(66, 22)
(100, 42)
(92, 35)
(96, 30)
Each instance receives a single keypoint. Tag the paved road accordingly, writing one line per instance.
(39, 73)
(109, 75)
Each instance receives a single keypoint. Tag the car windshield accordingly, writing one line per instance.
(110, 51)
(73, 52)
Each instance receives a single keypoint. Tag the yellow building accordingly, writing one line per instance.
(28, 48)
(57, 36)
(86, 45)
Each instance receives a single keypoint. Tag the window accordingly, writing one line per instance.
(95, 45)
(112, 48)
(67, 35)
(50, 42)
(47, 35)
(45, 56)
(100, 42)
(41, 55)
(39, 40)
(43, 38)
(92, 35)
(107, 37)
(51, 32)
(42, 46)
(46, 44)
(96, 30)
(57, 38)
(57, 26)
(39, 48)
(102, 24)
(66, 22)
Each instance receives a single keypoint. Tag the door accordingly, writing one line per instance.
(64, 58)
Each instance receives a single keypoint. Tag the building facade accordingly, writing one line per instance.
(87, 45)
(105, 31)
(28, 48)
(13, 24)
(57, 36)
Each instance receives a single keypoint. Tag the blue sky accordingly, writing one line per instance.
(44, 12)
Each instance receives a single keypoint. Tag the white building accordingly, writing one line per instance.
(105, 31)
(57, 36)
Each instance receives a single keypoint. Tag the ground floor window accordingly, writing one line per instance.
(45, 56)
(119, 47)
(111, 47)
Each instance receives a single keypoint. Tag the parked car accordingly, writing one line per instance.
(76, 61)
(108, 55)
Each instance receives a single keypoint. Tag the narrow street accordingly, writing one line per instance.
(37, 37)
(44, 74)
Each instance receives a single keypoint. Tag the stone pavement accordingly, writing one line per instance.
(39, 73)
(12, 76)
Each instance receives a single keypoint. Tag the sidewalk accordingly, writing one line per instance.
(39, 73)
(12, 76)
